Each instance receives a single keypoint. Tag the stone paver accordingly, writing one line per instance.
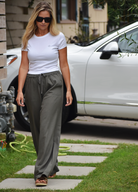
(53, 184)
(90, 148)
(64, 170)
(81, 159)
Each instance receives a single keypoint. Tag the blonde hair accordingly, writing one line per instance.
(32, 27)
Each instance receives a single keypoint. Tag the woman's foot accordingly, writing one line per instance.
(42, 181)
(52, 176)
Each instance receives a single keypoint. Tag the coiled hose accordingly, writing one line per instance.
(26, 148)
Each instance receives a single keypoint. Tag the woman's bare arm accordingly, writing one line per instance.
(23, 70)
(66, 74)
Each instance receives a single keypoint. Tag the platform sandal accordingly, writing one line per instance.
(42, 181)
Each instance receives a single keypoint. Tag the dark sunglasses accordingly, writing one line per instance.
(40, 19)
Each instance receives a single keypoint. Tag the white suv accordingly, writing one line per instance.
(104, 76)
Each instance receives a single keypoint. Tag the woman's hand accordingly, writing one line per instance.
(69, 98)
(23, 70)
(66, 74)
(20, 99)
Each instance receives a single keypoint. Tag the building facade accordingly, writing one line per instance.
(68, 14)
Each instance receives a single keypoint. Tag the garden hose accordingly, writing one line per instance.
(2, 155)
(25, 148)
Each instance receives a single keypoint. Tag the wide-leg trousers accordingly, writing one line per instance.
(44, 99)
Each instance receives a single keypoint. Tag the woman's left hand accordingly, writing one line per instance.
(69, 98)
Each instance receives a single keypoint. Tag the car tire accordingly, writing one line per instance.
(68, 112)
(21, 115)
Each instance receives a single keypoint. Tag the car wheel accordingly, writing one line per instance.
(22, 116)
(69, 112)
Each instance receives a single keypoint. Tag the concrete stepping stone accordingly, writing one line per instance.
(81, 159)
(53, 184)
(64, 170)
(90, 148)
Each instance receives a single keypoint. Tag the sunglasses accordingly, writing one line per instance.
(40, 19)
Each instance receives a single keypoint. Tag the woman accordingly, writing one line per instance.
(42, 46)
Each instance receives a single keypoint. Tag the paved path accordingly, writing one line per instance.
(105, 130)
(62, 184)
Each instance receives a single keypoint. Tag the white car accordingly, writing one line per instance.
(104, 77)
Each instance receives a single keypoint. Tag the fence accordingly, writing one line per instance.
(98, 28)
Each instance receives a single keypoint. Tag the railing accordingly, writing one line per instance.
(98, 28)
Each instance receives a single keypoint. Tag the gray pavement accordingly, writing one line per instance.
(81, 159)
(104, 130)
(90, 148)
(64, 170)
(53, 184)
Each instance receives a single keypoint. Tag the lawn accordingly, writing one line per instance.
(119, 172)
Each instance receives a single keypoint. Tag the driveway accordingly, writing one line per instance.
(104, 130)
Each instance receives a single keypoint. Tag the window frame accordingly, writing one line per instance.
(97, 7)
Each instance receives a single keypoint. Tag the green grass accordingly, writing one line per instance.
(118, 173)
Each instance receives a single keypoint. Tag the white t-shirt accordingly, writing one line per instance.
(43, 52)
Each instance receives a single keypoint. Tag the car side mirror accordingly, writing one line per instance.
(109, 49)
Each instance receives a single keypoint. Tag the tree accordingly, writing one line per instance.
(119, 11)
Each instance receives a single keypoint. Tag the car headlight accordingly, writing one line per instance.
(11, 59)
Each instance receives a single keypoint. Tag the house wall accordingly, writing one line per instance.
(3, 71)
(98, 20)
(17, 15)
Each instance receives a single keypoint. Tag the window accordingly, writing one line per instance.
(64, 6)
(66, 10)
(96, 6)
(127, 43)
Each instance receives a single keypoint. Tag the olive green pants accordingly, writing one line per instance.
(44, 98)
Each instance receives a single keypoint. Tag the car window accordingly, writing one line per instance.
(127, 43)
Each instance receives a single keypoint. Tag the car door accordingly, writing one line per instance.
(111, 87)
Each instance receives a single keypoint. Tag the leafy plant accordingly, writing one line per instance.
(119, 11)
